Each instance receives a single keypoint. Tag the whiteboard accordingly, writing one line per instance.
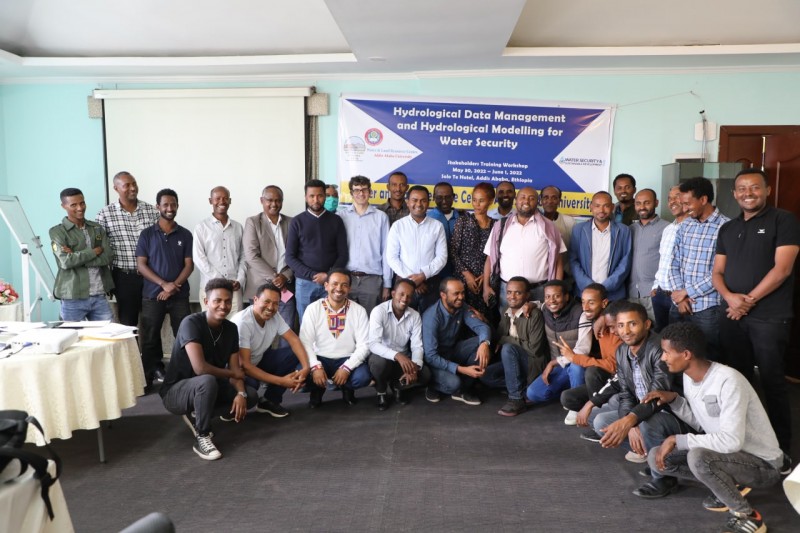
(194, 140)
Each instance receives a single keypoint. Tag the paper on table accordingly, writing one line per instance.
(19, 327)
(108, 332)
(286, 295)
(85, 324)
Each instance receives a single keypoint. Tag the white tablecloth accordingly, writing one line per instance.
(90, 382)
(22, 507)
(11, 312)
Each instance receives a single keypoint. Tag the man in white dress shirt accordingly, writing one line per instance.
(217, 248)
(417, 248)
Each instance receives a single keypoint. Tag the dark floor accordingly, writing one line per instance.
(436, 467)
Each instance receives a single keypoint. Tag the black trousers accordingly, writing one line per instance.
(153, 313)
(575, 398)
(385, 372)
(750, 342)
(128, 291)
(202, 394)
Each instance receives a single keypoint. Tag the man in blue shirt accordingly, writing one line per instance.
(164, 259)
(367, 231)
(454, 363)
(443, 197)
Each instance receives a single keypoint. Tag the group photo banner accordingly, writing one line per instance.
(465, 141)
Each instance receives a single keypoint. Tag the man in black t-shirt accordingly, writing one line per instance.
(754, 274)
(204, 369)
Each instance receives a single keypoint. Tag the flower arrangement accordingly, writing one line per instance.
(7, 293)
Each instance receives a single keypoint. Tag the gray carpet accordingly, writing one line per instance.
(437, 467)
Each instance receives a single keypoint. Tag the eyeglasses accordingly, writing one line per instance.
(359, 190)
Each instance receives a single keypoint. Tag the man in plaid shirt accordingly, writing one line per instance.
(693, 294)
(123, 222)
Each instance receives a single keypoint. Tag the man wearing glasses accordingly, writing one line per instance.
(367, 230)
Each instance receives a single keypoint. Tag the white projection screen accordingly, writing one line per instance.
(192, 140)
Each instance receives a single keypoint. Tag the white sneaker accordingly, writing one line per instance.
(205, 448)
(571, 418)
(634, 457)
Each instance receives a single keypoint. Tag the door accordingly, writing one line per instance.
(777, 150)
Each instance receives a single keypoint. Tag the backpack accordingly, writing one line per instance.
(13, 429)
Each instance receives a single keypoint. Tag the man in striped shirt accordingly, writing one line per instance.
(695, 298)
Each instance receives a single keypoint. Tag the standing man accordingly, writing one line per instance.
(335, 334)
(455, 364)
(443, 197)
(550, 200)
(526, 244)
(646, 240)
(417, 248)
(737, 447)
(259, 325)
(83, 255)
(367, 233)
(264, 243)
(124, 221)
(164, 258)
(660, 294)
(754, 274)
(505, 193)
(624, 190)
(316, 243)
(217, 247)
(395, 340)
(396, 207)
(204, 370)
(693, 294)
(600, 251)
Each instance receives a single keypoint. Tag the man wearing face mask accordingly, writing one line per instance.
(331, 198)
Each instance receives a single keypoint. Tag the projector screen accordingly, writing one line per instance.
(193, 140)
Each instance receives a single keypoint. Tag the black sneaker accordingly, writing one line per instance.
(512, 408)
(467, 398)
(591, 435)
(786, 469)
(271, 408)
(205, 448)
(752, 523)
(712, 503)
(432, 395)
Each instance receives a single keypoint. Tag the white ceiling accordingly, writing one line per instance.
(125, 40)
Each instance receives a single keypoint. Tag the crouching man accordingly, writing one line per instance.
(738, 449)
(204, 369)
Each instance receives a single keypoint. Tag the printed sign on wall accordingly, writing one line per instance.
(467, 141)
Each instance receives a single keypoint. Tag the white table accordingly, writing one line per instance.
(90, 382)
(22, 507)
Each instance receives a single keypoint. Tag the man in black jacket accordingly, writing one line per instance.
(639, 371)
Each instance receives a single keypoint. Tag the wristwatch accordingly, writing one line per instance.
(243, 394)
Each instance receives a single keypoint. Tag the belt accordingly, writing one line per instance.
(665, 292)
(126, 271)
(359, 274)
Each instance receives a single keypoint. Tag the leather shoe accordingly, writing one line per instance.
(658, 488)
(383, 402)
(315, 399)
(400, 396)
(159, 375)
(349, 396)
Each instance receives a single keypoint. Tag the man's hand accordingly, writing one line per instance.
(236, 285)
(237, 373)
(546, 372)
(290, 381)
(302, 375)
(66, 249)
(636, 441)
(662, 397)
(168, 290)
(477, 314)
(583, 415)
(664, 450)
(320, 378)
(527, 307)
(97, 250)
(418, 279)
(473, 371)
(408, 379)
(487, 294)
(320, 278)
(405, 363)
(386, 294)
(484, 355)
(472, 282)
(679, 295)
(685, 307)
(599, 327)
(566, 351)
(340, 377)
(279, 281)
(618, 431)
(239, 408)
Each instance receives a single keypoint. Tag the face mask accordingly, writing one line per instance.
(331, 203)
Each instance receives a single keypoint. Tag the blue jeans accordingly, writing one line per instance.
(91, 308)
(278, 362)
(560, 379)
(708, 321)
(511, 372)
(662, 304)
(463, 354)
(720, 472)
(359, 378)
(305, 292)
